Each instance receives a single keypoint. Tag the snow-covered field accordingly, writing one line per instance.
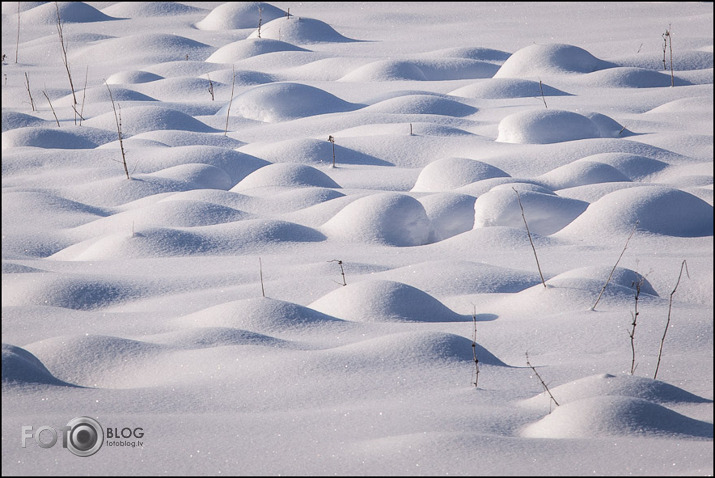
(324, 212)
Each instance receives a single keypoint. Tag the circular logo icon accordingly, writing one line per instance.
(85, 436)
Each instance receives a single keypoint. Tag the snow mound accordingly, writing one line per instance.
(100, 94)
(196, 176)
(385, 301)
(407, 349)
(422, 105)
(132, 77)
(580, 173)
(471, 53)
(14, 120)
(224, 238)
(686, 60)
(149, 9)
(236, 15)
(286, 175)
(70, 12)
(448, 278)
(449, 214)
(21, 367)
(248, 48)
(545, 213)
(658, 210)
(633, 166)
(48, 137)
(299, 30)
(450, 173)
(141, 48)
(592, 278)
(310, 151)
(546, 126)
(502, 88)
(261, 314)
(389, 218)
(207, 337)
(619, 385)
(543, 60)
(616, 416)
(277, 102)
(234, 164)
(93, 360)
(141, 119)
(386, 70)
(607, 126)
(76, 293)
(629, 77)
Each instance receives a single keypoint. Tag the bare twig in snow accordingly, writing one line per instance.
(523, 216)
(614, 266)
(543, 384)
(44, 92)
(684, 264)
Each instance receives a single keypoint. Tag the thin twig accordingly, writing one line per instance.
(118, 120)
(684, 264)
(84, 94)
(474, 347)
(518, 197)
(342, 271)
(541, 87)
(260, 271)
(64, 51)
(225, 133)
(27, 83)
(614, 266)
(634, 315)
(17, 44)
(332, 140)
(53, 110)
(540, 379)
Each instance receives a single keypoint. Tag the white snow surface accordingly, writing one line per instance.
(332, 210)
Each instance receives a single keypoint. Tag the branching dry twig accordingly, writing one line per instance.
(684, 264)
(118, 120)
(63, 44)
(634, 315)
(541, 87)
(518, 197)
(614, 267)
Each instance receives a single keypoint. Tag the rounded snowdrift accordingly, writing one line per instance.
(20, 367)
(388, 218)
(385, 301)
(450, 173)
(248, 48)
(278, 102)
(285, 175)
(545, 213)
(619, 385)
(299, 30)
(503, 88)
(657, 209)
(261, 314)
(236, 15)
(407, 349)
(546, 126)
(581, 173)
(70, 12)
(132, 77)
(141, 119)
(449, 214)
(616, 416)
(542, 60)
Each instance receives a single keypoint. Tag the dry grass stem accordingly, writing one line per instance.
(523, 216)
(614, 266)
(683, 265)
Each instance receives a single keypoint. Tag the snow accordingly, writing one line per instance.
(323, 227)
